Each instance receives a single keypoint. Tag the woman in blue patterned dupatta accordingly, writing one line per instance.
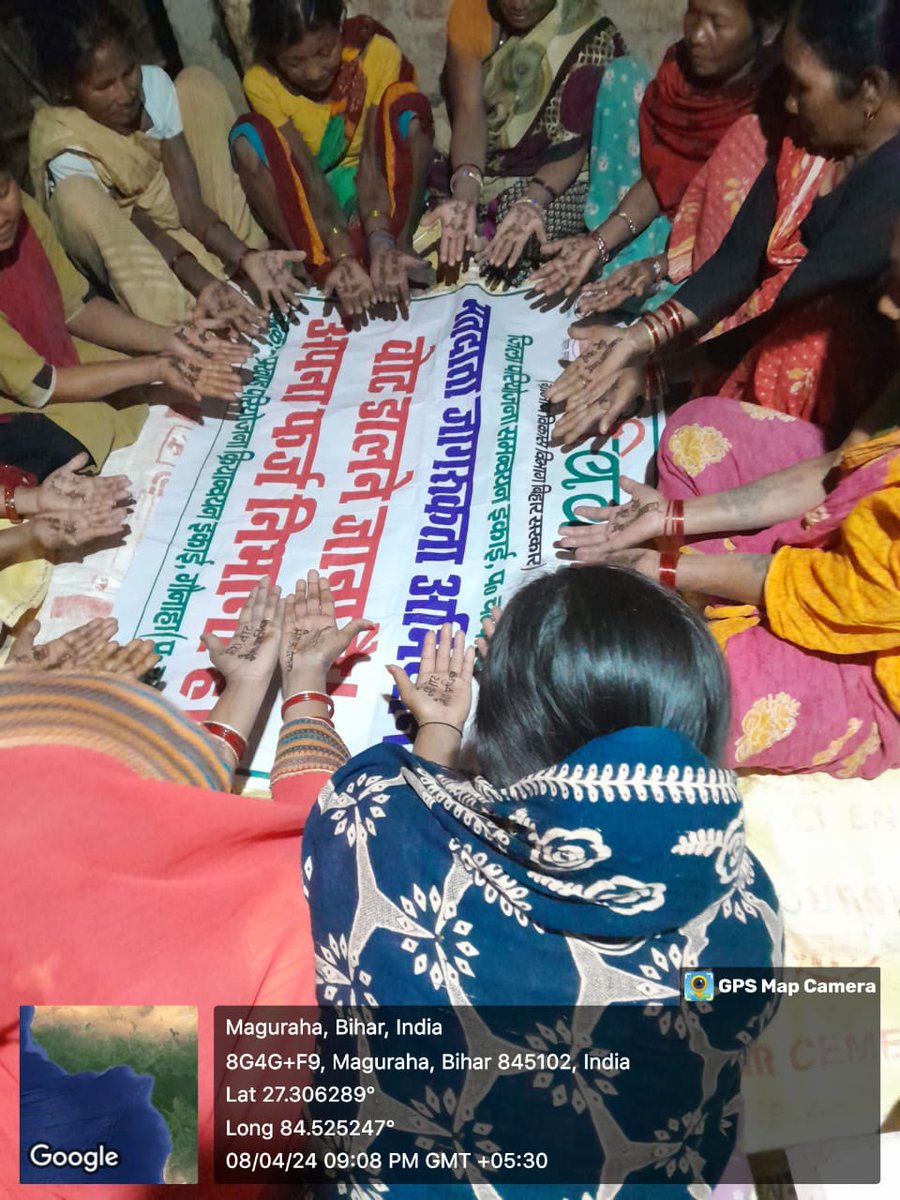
(599, 853)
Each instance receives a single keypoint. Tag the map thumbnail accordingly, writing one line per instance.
(108, 1094)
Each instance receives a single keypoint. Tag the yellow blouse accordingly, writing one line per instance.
(380, 61)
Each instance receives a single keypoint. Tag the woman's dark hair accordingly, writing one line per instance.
(852, 37)
(275, 24)
(66, 36)
(768, 11)
(588, 651)
(5, 159)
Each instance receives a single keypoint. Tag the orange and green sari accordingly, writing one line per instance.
(374, 76)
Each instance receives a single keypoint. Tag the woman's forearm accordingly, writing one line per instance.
(558, 176)
(738, 577)
(640, 206)
(308, 741)
(107, 324)
(373, 196)
(781, 496)
(17, 545)
(192, 274)
(95, 381)
(468, 132)
(439, 744)
(239, 705)
(326, 212)
(215, 235)
(468, 140)
(653, 333)
(196, 216)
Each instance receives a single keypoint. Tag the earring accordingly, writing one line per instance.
(870, 116)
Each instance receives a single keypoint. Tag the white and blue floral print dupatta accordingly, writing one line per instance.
(592, 883)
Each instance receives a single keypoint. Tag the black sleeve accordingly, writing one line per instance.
(850, 239)
(855, 245)
(731, 276)
(725, 351)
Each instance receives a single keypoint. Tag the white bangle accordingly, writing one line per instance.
(467, 172)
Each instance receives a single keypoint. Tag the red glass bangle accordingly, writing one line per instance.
(16, 477)
(303, 697)
(673, 318)
(656, 331)
(232, 739)
(9, 504)
(668, 568)
(673, 525)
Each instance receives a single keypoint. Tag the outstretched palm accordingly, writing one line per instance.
(64, 487)
(253, 651)
(443, 688)
(570, 262)
(311, 639)
(75, 650)
(618, 529)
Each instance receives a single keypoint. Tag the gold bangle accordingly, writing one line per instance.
(530, 201)
(341, 233)
(623, 216)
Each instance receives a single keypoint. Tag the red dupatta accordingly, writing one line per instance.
(348, 91)
(31, 301)
(681, 124)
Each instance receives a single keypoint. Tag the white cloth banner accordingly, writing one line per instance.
(409, 462)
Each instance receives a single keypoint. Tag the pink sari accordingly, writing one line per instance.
(793, 710)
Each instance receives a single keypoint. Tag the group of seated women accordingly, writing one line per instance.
(564, 157)
(744, 199)
(747, 197)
